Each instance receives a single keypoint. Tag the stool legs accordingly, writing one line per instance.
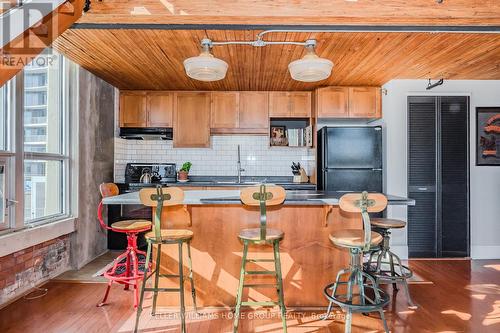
(356, 278)
(277, 265)
(190, 264)
(240, 287)
(157, 279)
(181, 280)
(144, 279)
(279, 284)
(157, 274)
(397, 272)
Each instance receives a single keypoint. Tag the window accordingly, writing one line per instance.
(34, 144)
(46, 156)
(6, 157)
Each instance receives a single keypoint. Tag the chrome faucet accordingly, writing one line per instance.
(240, 169)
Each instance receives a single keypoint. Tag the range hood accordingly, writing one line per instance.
(141, 133)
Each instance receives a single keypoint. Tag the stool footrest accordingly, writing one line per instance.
(163, 289)
(263, 303)
(260, 260)
(275, 285)
(260, 272)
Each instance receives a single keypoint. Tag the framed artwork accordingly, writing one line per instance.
(278, 136)
(488, 136)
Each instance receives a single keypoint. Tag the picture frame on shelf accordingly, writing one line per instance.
(488, 136)
(278, 136)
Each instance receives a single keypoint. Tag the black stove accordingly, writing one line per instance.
(161, 173)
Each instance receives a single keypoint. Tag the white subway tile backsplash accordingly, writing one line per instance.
(257, 158)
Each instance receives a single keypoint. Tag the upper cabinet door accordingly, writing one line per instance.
(160, 109)
(300, 104)
(332, 102)
(224, 110)
(279, 104)
(191, 119)
(364, 102)
(133, 112)
(254, 112)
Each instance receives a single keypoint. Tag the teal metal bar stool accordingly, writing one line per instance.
(159, 198)
(388, 267)
(261, 196)
(358, 241)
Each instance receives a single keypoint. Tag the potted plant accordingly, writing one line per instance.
(183, 173)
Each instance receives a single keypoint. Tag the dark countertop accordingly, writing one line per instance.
(230, 181)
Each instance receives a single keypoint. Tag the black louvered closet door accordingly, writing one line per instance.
(438, 225)
(454, 176)
(422, 225)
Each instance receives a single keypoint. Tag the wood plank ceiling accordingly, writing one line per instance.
(152, 59)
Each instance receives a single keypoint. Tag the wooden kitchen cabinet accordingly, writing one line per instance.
(332, 102)
(254, 111)
(146, 109)
(279, 104)
(224, 116)
(133, 110)
(160, 109)
(284, 104)
(191, 119)
(348, 102)
(300, 104)
(364, 102)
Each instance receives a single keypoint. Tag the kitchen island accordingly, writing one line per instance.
(309, 261)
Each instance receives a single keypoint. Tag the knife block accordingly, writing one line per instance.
(302, 178)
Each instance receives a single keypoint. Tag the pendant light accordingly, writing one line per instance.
(205, 67)
(310, 68)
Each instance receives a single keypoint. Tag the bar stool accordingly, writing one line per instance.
(261, 196)
(159, 198)
(391, 271)
(127, 269)
(358, 242)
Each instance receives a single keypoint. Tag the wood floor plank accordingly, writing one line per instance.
(464, 297)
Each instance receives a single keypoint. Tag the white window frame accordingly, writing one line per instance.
(15, 156)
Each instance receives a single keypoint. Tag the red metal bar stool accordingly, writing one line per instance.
(127, 269)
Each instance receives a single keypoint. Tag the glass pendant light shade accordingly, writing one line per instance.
(205, 67)
(310, 68)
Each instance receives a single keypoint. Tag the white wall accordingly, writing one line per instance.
(257, 158)
(484, 180)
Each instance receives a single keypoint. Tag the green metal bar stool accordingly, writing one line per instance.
(261, 196)
(388, 267)
(159, 198)
(358, 241)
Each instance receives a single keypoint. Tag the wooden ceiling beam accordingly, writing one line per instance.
(400, 12)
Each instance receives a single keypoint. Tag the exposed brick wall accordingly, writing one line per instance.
(22, 270)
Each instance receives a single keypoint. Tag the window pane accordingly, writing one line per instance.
(3, 117)
(43, 188)
(42, 105)
(2, 195)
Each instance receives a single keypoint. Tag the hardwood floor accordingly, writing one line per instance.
(464, 297)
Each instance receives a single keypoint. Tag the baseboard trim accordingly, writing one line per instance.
(485, 252)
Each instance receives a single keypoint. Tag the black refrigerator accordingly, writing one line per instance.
(350, 159)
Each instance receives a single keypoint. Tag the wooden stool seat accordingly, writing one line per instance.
(254, 234)
(387, 223)
(171, 235)
(353, 238)
(130, 225)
